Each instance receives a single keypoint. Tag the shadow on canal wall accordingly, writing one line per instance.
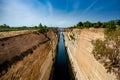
(58, 68)
(54, 60)
(72, 74)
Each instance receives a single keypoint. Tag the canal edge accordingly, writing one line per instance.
(71, 70)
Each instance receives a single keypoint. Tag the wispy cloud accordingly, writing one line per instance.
(33, 12)
(17, 13)
(20, 13)
(76, 5)
(67, 5)
(89, 7)
(50, 8)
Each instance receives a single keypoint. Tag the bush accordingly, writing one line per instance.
(118, 22)
(72, 37)
(111, 26)
(87, 24)
(43, 29)
(97, 25)
(110, 49)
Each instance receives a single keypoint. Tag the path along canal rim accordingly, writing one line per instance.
(61, 70)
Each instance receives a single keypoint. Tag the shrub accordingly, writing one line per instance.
(110, 49)
(87, 24)
(118, 22)
(72, 37)
(110, 26)
(42, 29)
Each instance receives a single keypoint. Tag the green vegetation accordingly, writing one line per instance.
(40, 28)
(109, 49)
(118, 22)
(72, 37)
(87, 24)
(97, 25)
(5, 27)
(43, 29)
(111, 25)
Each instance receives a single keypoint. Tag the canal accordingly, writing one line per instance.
(61, 71)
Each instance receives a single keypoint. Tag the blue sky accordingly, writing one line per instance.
(61, 13)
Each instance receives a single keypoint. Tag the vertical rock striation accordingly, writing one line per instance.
(84, 65)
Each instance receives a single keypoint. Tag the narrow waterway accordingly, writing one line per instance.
(61, 71)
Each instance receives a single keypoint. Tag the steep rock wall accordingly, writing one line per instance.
(10, 47)
(34, 66)
(83, 63)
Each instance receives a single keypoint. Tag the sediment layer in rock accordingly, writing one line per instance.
(37, 63)
(79, 49)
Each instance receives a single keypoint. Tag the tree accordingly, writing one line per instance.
(118, 22)
(111, 26)
(97, 25)
(103, 25)
(80, 24)
(87, 24)
(42, 29)
(4, 26)
(40, 25)
(35, 26)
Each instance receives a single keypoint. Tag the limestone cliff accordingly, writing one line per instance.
(79, 49)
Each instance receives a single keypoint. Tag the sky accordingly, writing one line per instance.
(58, 13)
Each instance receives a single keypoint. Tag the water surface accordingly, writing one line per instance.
(61, 71)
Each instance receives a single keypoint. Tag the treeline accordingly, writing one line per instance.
(110, 25)
(6, 27)
(41, 28)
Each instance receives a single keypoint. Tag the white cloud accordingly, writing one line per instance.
(33, 12)
(23, 12)
(15, 13)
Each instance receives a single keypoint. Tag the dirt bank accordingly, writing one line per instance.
(79, 48)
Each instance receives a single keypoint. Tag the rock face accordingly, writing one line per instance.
(29, 57)
(15, 33)
(14, 46)
(79, 49)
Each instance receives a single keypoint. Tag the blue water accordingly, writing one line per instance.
(61, 71)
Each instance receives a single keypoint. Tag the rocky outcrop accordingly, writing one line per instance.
(29, 57)
(79, 48)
